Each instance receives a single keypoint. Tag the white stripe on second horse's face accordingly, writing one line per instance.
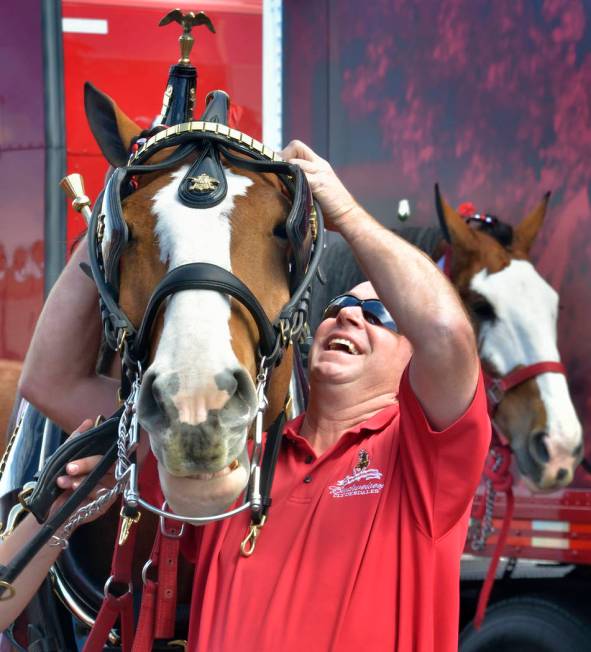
(523, 333)
(195, 344)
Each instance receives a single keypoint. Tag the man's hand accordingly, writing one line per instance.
(334, 199)
(77, 471)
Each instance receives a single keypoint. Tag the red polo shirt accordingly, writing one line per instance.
(362, 547)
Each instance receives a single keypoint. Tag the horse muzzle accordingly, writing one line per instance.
(197, 430)
(543, 467)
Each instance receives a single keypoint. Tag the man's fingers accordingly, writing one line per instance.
(65, 482)
(297, 149)
(83, 427)
(82, 466)
(309, 167)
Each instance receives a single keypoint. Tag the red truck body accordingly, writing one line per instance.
(117, 46)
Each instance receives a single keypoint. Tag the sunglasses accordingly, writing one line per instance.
(373, 310)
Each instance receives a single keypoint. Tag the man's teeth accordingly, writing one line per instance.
(338, 343)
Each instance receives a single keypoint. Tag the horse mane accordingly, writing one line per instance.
(500, 231)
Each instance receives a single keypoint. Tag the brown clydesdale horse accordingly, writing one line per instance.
(197, 400)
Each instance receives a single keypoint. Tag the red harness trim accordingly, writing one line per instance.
(501, 478)
(159, 597)
(116, 607)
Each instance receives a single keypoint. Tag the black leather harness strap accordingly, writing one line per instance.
(10, 572)
(272, 448)
(95, 441)
(203, 276)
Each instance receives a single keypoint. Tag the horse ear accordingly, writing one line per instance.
(454, 228)
(111, 128)
(525, 233)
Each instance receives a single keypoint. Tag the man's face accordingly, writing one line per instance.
(348, 347)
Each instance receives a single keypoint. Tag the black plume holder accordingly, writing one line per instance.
(180, 94)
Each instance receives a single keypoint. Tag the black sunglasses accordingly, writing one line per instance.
(373, 310)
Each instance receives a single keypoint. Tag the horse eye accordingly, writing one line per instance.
(280, 231)
(483, 310)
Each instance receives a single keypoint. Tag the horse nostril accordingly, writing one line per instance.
(227, 382)
(242, 400)
(150, 400)
(244, 385)
(561, 475)
(538, 447)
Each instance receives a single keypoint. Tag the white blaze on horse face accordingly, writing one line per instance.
(523, 333)
(194, 350)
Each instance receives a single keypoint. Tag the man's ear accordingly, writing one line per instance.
(111, 128)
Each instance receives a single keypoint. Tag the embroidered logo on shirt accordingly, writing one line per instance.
(361, 482)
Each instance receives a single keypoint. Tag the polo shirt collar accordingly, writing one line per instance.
(375, 423)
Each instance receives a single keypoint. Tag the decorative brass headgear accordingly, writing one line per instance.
(187, 22)
(180, 94)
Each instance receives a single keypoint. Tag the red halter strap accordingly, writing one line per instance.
(116, 607)
(500, 474)
(496, 388)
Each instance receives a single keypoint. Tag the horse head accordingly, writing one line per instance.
(515, 312)
(197, 399)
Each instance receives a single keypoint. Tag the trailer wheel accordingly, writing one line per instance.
(528, 624)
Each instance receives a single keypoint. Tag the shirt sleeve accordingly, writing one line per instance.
(441, 469)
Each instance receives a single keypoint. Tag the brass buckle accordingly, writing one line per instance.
(23, 495)
(9, 591)
(248, 545)
(121, 339)
(314, 222)
(285, 329)
(126, 524)
(178, 642)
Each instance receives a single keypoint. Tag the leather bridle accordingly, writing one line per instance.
(303, 223)
(304, 227)
(305, 232)
(498, 386)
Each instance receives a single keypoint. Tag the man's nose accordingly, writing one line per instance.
(351, 314)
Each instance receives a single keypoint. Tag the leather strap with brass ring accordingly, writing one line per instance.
(9, 591)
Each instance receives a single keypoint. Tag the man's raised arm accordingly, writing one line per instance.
(444, 367)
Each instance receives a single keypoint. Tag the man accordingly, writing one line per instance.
(374, 483)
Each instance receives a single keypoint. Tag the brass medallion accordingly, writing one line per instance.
(202, 183)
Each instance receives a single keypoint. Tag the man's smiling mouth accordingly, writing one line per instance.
(342, 344)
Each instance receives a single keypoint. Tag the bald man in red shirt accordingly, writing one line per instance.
(374, 483)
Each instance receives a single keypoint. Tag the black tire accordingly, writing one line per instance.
(528, 624)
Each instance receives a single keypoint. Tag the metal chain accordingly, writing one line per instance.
(83, 513)
(484, 528)
(125, 447)
(10, 444)
(126, 437)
